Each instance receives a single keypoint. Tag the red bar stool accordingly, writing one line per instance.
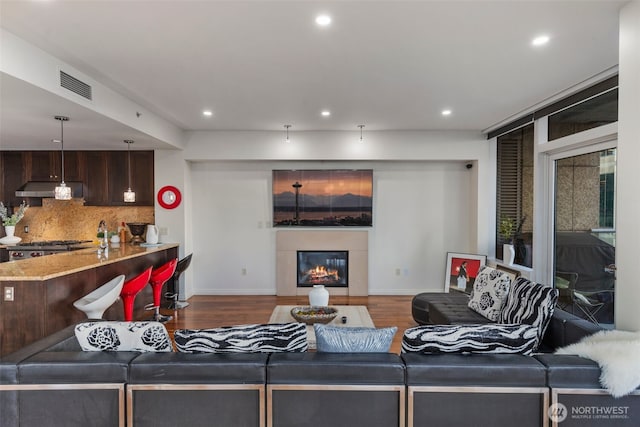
(131, 289)
(159, 277)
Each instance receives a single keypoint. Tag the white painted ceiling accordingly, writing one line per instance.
(258, 65)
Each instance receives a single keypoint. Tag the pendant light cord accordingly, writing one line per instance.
(62, 146)
(129, 161)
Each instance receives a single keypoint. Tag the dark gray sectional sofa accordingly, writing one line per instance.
(499, 388)
(53, 383)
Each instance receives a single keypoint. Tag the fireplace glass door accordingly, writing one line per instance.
(328, 268)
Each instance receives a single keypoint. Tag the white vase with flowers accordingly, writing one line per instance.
(9, 222)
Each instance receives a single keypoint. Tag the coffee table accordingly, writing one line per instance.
(357, 316)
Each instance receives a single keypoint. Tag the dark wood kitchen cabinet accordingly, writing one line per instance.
(12, 177)
(96, 180)
(107, 178)
(141, 177)
(104, 175)
(46, 166)
(19, 167)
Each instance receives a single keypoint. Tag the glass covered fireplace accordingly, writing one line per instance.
(328, 268)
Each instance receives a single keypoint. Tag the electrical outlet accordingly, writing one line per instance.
(26, 228)
(163, 231)
(8, 293)
(397, 271)
(244, 271)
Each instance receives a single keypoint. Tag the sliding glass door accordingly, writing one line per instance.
(584, 234)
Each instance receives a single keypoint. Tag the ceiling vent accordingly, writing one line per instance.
(75, 85)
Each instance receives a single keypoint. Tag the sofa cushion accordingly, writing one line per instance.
(489, 292)
(529, 303)
(267, 338)
(333, 339)
(477, 370)
(335, 368)
(454, 312)
(123, 336)
(487, 338)
(199, 368)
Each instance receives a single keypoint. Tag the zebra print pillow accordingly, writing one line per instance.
(529, 303)
(123, 336)
(269, 338)
(485, 338)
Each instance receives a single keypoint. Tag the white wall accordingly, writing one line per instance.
(421, 211)
(426, 203)
(628, 202)
(175, 224)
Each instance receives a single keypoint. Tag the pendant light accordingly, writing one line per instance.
(129, 196)
(62, 192)
(361, 140)
(287, 131)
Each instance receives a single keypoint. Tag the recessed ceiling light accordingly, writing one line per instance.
(540, 40)
(326, 113)
(446, 112)
(323, 20)
(207, 113)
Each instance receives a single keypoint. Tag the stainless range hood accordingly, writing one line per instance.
(46, 189)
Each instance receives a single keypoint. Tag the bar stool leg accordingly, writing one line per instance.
(158, 278)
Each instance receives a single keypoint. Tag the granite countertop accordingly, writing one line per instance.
(51, 266)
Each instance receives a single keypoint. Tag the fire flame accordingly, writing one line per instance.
(322, 273)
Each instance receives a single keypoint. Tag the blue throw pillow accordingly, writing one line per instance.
(332, 339)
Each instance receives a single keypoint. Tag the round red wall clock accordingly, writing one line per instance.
(169, 197)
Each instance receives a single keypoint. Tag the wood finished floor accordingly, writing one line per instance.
(205, 311)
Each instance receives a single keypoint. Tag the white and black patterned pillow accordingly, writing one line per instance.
(529, 303)
(484, 338)
(268, 338)
(489, 293)
(123, 336)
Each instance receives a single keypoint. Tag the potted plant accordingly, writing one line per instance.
(10, 221)
(507, 231)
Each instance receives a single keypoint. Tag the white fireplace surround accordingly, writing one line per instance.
(289, 242)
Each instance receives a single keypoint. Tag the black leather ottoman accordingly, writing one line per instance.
(420, 304)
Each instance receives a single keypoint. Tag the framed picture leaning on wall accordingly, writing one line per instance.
(461, 271)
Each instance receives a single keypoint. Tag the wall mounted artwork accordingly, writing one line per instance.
(323, 198)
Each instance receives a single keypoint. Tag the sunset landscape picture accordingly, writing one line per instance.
(329, 198)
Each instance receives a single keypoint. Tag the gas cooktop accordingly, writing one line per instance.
(61, 245)
(47, 247)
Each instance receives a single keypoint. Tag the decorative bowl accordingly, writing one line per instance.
(313, 314)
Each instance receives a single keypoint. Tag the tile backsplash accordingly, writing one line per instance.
(71, 220)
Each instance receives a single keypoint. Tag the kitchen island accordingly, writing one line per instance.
(44, 289)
